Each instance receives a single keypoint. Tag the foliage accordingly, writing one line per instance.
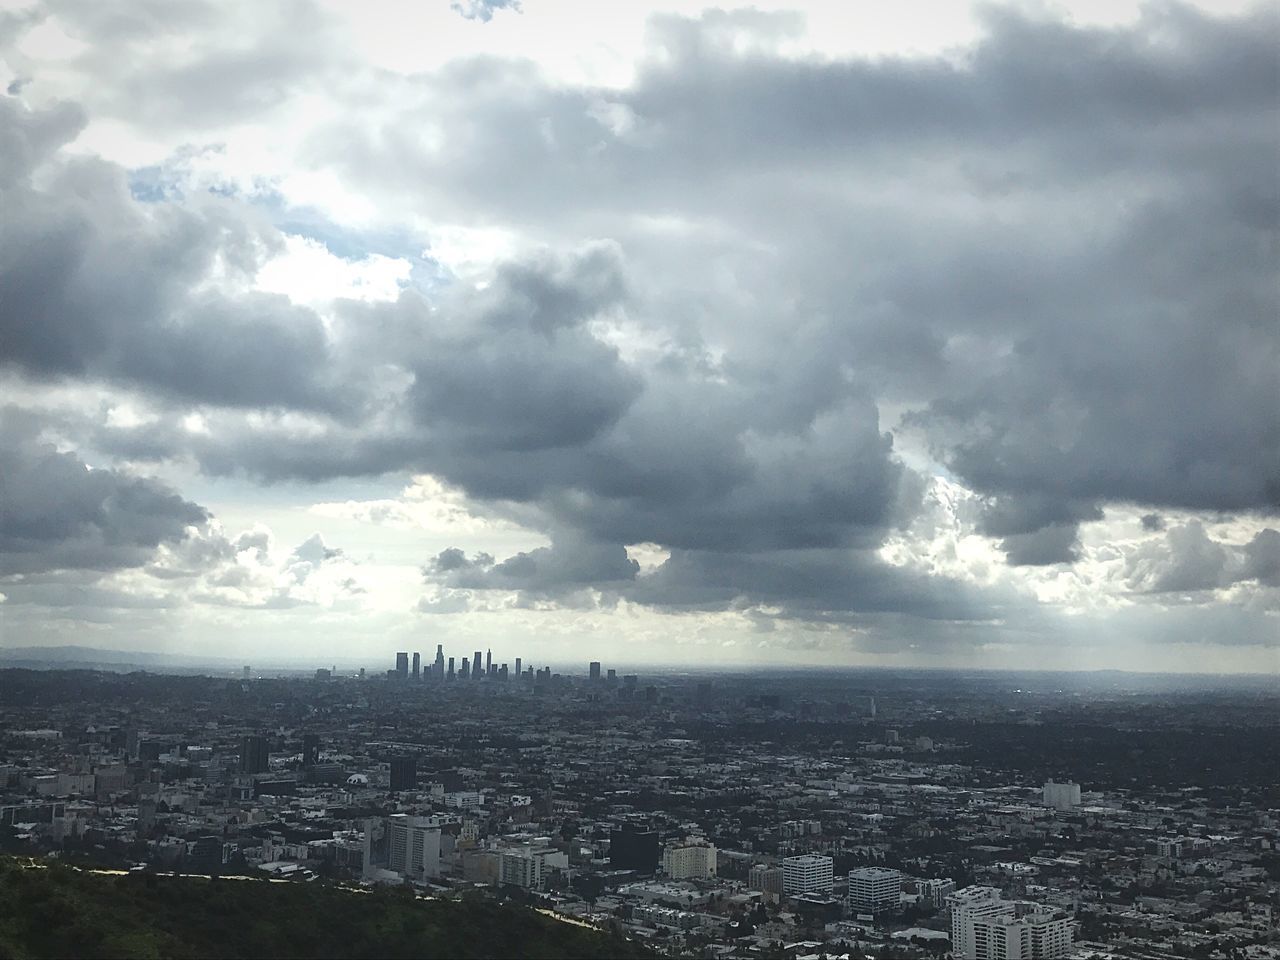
(61, 912)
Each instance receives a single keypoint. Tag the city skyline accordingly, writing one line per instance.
(803, 334)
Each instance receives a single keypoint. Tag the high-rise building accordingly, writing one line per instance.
(1061, 796)
(632, 848)
(449, 675)
(611, 678)
(413, 846)
(689, 860)
(254, 756)
(310, 750)
(439, 670)
(524, 866)
(402, 665)
(417, 665)
(488, 663)
(517, 666)
(593, 671)
(985, 927)
(874, 890)
(477, 670)
(465, 672)
(809, 873)
(404, 774)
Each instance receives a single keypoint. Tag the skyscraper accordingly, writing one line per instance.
(517, 666)
(476, 671)
(593, 671)
(488, 663)
(465, 671)
(417, 664)
(310, 750)
(450, 673)
(439, 671)
(404, 773)
(402, 665)
(254, 756)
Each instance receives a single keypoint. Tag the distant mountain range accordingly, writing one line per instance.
(120, 661)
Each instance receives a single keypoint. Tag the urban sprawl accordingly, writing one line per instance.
(829, 813)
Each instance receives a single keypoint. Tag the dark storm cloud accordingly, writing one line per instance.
(98, 286)
(56, 513)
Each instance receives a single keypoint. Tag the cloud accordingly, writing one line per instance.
(484, 10)
(747, 307)
(1188, 560)
(57, 513)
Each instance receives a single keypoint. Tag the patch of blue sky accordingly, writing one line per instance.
(162, 183)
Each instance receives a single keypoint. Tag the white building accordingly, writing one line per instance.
(874, 890)
(413, 846)
(690, 860)
(985, 927)
(526, 866)
(807, 874)
(1061, 796)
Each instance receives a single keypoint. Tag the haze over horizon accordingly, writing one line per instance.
(798, 333)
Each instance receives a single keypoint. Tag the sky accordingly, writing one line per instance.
(902, 335)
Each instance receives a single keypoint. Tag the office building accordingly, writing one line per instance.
(402, 665)
(413, 846)
(488, 663)
(689, 860)
(449, 673)
(1061, 796)
(464, 672)
(810, 873)
(439, 666)
(593, 671)
(874, 890)
(476, 670)
(254, 757)
(310, 750)
(416, 672)
(517, 666)
(632, 848)
(404, 774)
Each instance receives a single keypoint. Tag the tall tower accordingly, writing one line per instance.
(476, 672)
(488, 662)
(450, 673)
(402, 665)
(439, 661)
(417, 664)
(593, 671)
(517, 666)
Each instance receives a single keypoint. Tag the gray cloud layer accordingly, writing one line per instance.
(1055, 254)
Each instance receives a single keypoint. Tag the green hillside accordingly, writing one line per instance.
(60, 912)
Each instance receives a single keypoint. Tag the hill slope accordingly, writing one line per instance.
(60, 912)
